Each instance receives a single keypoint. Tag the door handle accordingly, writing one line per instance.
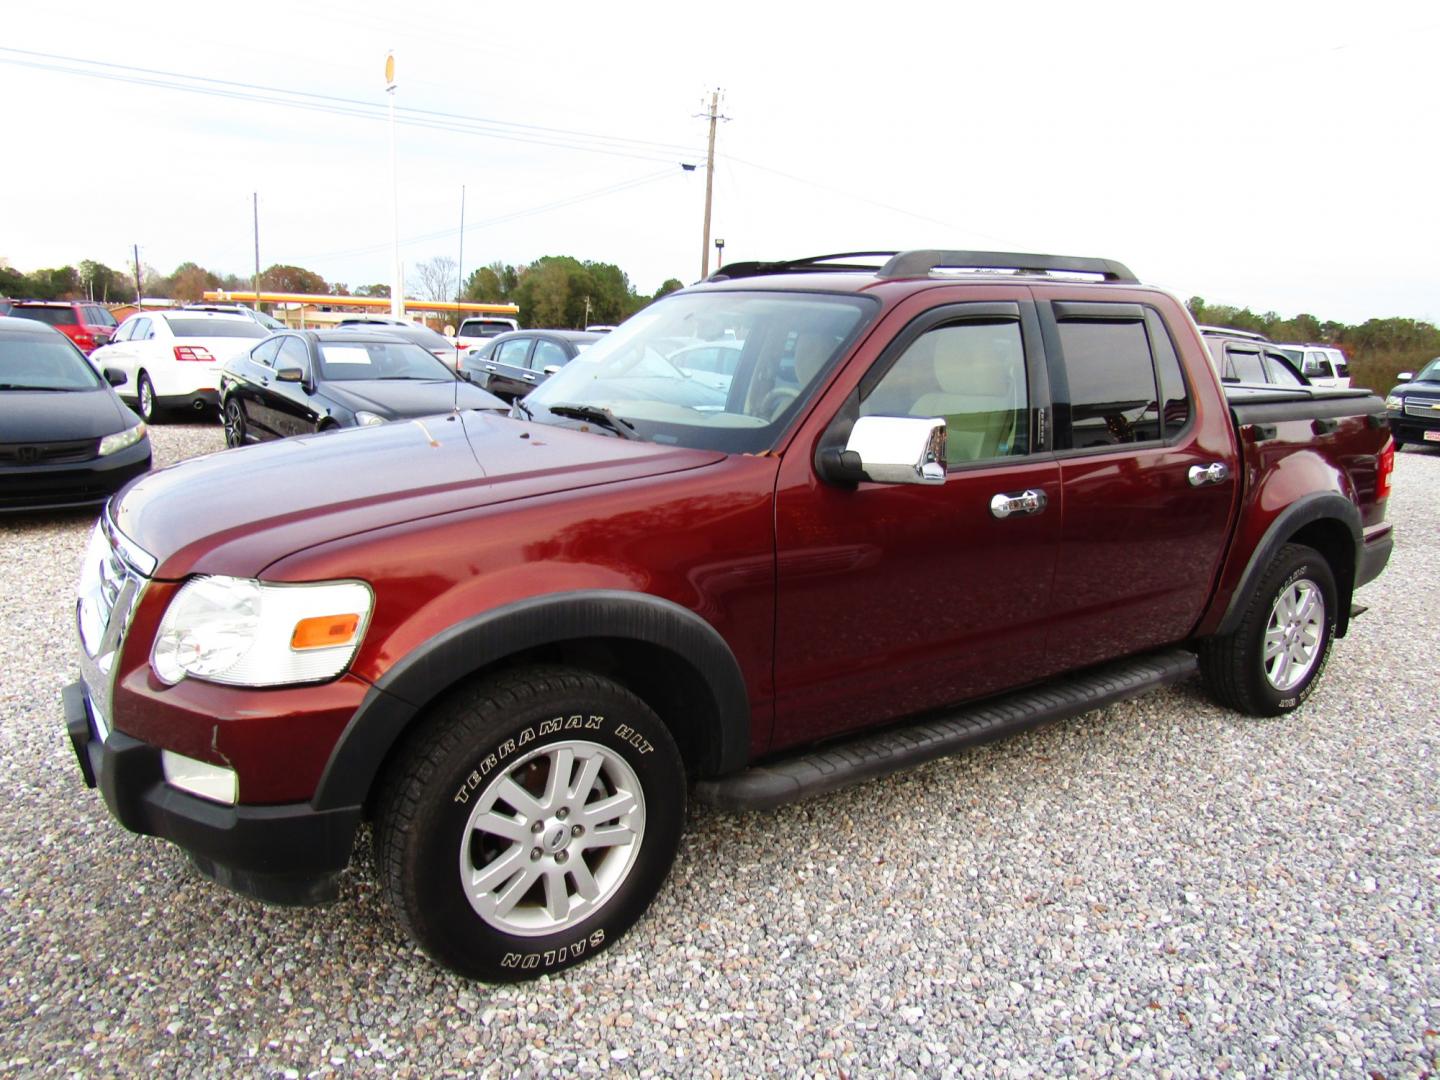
(1214, 473)
(489, 367)
(1030, 501)
(528, 378)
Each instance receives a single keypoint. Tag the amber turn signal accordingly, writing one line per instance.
(324, 631)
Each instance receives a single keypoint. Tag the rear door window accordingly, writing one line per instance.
(142, 331)
(1113, 394)
(512, 352)
(264, 353)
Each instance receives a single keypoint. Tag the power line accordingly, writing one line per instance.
(514, 131)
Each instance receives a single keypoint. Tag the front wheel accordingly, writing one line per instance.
(1272, 661)
(529, 822)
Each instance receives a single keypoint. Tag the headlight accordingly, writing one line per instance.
(249, 633)
(121, 439)
(1395, 402)
(368, 419)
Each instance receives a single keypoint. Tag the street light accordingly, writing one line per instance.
(719, 252)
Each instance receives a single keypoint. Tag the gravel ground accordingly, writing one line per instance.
(1160, 888)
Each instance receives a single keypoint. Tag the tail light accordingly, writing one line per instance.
(82, 338)
(1387, 469)
(193, 352)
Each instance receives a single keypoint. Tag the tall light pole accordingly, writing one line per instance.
(719, 253)
(397, 277)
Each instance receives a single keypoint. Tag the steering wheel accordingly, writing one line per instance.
(773, 404)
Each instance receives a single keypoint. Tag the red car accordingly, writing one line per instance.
(925, 508)
(88, 325)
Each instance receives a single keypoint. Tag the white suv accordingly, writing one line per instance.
(1323, 365)
(172, 359)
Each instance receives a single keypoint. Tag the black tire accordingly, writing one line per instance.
(233, 417)
(1236, 669)
(516, 727)
(145, 402)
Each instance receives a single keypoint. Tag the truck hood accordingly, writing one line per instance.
(238, 511)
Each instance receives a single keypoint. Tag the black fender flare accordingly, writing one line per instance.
(1317, 506)
(394, 701)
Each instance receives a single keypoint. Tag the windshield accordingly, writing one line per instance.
(30, 364)
(667, 372)
(351, 362)
(213, 328)
(1431, 372)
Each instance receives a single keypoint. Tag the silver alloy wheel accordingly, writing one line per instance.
(552, 838)
(234, 424)
(147, 398)
(1293, 634)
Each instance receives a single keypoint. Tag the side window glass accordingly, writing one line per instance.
(1246, 364)
(293, 354)
(264, 353)
(972, 375)
(1174, 396)
(512, 352)
(142, 330)
(1280, 372)
(1113, 398)
(123, 333)
(547, 353)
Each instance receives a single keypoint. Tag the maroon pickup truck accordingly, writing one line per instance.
(897, 509)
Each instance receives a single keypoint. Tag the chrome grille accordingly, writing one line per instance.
(1429, 408)
(106, 576)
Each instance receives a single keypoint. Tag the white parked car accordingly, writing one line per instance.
(172, 359)
(474, 332)
(1323, 365)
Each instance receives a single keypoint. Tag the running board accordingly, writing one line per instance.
(864, 757)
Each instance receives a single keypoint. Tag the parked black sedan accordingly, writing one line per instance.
(304, 381)
(66, 439)
(511, 365)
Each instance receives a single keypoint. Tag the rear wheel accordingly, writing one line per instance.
(145, 392)
(1272, 661)
(529, 822)
(234, 423)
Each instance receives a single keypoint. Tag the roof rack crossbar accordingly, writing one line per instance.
(920, 263)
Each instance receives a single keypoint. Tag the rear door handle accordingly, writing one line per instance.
(1030, 501)
(1214, 473)
(489, 367)
(528, 378)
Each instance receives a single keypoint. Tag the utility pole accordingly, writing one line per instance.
(397, 280)
(255, 203)
(714, 115)
(138, 296)
(587, 314)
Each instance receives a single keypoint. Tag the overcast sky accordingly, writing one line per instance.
(1281, 156)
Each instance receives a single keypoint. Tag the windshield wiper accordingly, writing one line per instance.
(596, 414)
(523, 408)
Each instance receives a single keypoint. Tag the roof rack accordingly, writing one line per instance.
(919, 263)
(902, 264)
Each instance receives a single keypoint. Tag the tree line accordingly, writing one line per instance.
(552, 291)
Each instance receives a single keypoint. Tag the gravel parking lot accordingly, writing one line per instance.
(1162, 888)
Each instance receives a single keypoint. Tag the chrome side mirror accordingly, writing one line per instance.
(290, 374)
(889, 450)
(1406, 376)
(551, 369)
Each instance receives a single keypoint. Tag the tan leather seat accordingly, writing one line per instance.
(976, 396)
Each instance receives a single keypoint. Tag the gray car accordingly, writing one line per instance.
(511, 365)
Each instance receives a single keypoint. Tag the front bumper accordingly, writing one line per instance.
(72, 484)
(284, 854)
